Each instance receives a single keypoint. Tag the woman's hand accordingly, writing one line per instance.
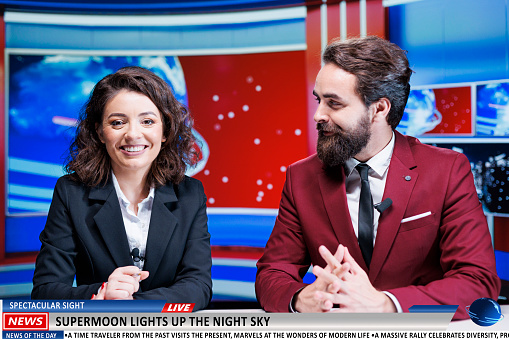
(122, 284)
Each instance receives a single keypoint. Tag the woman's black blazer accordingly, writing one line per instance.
(84, 237)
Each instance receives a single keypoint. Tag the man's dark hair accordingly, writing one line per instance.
(88, 161)
(381, 69)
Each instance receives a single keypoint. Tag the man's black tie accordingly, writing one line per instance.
(365, 235)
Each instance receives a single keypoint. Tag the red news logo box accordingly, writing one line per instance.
(26, 321)
(178, 308)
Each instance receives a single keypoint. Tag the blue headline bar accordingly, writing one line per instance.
(84, 306)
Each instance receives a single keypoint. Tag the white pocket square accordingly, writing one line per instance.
(415, 217)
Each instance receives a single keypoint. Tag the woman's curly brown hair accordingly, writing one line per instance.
(88, 161)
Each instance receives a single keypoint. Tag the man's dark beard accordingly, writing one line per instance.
(336, 149)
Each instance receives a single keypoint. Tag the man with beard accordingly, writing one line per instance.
(402, 218)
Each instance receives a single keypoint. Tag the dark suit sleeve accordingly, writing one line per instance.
(54, 267)
(285, 260)
(193, 283)
(466, 252)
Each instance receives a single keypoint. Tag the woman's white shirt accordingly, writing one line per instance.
(136, 226)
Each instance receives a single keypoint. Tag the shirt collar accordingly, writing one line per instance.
(378, 163)
(123, 199)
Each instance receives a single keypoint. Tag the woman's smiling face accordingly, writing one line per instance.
(132, 130)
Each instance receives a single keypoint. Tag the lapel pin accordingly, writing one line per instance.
(408, 178)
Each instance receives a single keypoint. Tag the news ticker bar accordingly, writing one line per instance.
(215, 321)
(147, 334)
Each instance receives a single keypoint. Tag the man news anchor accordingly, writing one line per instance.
(402, 218)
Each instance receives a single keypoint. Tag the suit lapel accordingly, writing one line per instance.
(332, 186)
(400, 182)
(110, 223)
(162, 225)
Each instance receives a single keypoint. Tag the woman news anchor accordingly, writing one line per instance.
(125, 220)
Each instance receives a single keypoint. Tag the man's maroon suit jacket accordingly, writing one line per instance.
(443, 258)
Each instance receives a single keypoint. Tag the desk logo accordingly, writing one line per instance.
(485, 312)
